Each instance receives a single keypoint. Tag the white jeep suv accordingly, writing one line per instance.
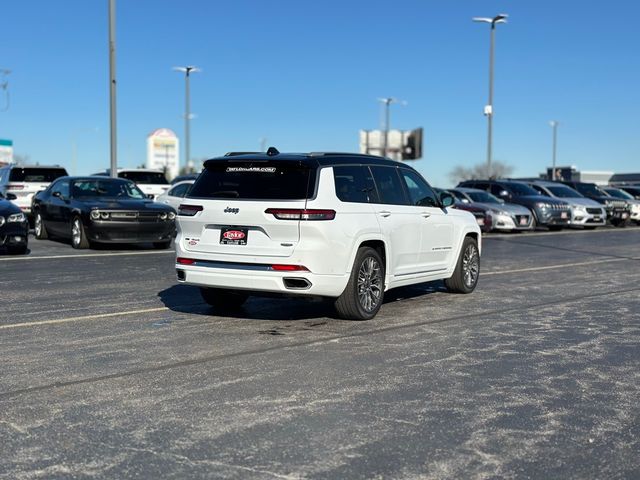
(344, 226)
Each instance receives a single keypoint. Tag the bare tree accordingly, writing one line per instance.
(21, 159)
(480, 171)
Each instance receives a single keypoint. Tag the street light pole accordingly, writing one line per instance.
(188, 70)
(554, 126)
(488, 109)
(387, 120)
(112, 88)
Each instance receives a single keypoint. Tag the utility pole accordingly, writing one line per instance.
(386, 102)
(488, 109)
(188, 70)
(554, 126)
(112, 88)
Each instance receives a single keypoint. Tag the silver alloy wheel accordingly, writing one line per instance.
(369, 284)
(37, 227)
(470, 266)
(76, 235)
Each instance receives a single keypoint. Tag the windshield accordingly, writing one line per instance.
(483, 197)
(106, 188)
(589, 189)
(614, 192)
(45, 175)
(255, 180)
(145, 178)
(520, 189)
(564, 192)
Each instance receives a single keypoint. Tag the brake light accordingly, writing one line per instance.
(185, 261)
(289, 268)
(15, 187)
(301, 214)
(189, 210)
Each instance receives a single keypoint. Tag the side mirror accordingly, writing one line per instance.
(504, 194)
(57, 194)
(11, 196)
(446, 199)
(150, 196)
(465, 200)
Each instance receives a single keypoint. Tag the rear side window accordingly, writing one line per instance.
(45, 175)
(389, 186)
(180, 190)
(255, 181)
(355, 184)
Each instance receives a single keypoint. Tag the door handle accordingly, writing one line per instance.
(384, 213)
(425, 214)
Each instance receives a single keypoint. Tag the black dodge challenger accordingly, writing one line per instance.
(14, 227)
(101, 210)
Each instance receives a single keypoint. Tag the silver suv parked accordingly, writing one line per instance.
(21, 183)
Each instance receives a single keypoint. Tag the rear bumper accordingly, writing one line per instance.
(258, 279)
(129, 232)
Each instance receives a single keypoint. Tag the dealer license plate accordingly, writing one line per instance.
(523, 221)
(234, 236)
(563, 215)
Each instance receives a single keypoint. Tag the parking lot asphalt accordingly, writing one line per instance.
(110, 369)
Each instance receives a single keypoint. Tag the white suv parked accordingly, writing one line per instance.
(344, 226)
(20, 183)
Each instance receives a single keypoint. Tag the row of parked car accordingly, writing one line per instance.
(140, 205)
(507, 205)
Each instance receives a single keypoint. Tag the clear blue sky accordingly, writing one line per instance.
(306, 76)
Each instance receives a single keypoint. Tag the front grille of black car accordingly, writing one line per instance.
(143, 217)
(594, 211)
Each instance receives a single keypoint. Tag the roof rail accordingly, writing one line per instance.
(235, 154)
(341, 154)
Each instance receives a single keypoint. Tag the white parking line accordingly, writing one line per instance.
(85, 317)
(87, 255)
(521, 235)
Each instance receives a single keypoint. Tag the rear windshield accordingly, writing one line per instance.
(255, 181)
(145, 178)
(35, 174)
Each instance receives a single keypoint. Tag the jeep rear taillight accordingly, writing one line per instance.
(189, 210)
(301, 214)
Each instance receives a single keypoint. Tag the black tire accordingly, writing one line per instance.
(39, 228)
(162, 245)
(362, 298)
(554, 228)
(619, 223)
(79, 238)
(21, 250)
(465, 276)
(223, 299)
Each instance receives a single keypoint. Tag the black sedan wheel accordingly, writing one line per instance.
(78, 235)
(39, 228)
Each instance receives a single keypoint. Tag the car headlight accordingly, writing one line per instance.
(95, 214)
(16, 217)
(579, 207)
(104, 215)
(163, 216)
(172, 215)
(541, 205)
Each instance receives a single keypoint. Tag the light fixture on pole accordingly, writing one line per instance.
(188, 70)
(488, 109)
(386, 102)
(554, 125)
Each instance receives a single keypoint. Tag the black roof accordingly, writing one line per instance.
(313, 159)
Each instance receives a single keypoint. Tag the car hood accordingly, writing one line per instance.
(511, 208)
(8, 208)
(531, 199)
(585, 202)
(125, 204)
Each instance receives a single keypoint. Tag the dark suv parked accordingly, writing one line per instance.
(549, 212)
(618, 211)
